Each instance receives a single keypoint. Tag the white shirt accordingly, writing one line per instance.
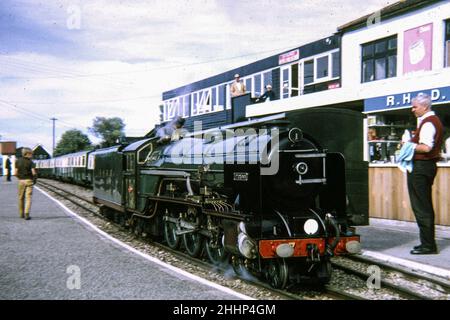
(428, 130)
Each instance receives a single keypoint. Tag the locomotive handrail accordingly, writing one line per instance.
(183, 173)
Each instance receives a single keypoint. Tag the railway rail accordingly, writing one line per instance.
(407, 284)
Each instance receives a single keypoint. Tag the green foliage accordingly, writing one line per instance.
(108, 129)
(72, 141)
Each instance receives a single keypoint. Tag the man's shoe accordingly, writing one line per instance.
(28, 218)
(417, 247)
(424, 251)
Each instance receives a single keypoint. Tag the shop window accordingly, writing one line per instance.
(447, 43)
(379, 59)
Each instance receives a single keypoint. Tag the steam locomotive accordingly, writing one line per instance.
(261, 195)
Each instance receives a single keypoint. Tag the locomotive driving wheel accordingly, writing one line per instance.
(277, 273)
(215, 250)
(193, 241)
(170, 234)
(238, 265)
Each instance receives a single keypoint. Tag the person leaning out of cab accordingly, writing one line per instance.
(172, 131)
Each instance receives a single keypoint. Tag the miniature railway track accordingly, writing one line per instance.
(328, 292)
(406, 284)
(72, 197)
(440, 282)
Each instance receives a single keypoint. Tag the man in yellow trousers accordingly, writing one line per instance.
(26, 173)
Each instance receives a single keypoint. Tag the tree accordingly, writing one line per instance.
(108, 129)
(72, 141)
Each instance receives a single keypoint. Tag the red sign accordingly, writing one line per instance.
(334, 85)
(289, 56)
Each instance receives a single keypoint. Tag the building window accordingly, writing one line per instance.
(447, 43)
(379, 59)
(336, 64)
(267, 78)
(322, 67)
(257, 79)
(285, 83)
(308, 72)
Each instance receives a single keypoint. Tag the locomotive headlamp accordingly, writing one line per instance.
(353, 247)
(295, 135)
(311, 226)
(285, 250)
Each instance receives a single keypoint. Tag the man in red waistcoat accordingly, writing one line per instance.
(428, 140)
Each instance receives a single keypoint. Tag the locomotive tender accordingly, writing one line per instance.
(262, 195)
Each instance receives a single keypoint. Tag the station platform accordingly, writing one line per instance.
(57, 256)
(391, 241)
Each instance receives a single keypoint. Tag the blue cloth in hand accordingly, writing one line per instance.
(405, 159)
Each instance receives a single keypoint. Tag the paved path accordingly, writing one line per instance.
(37, 255)
(396, 239)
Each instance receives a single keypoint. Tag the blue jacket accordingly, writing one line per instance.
(405, 159)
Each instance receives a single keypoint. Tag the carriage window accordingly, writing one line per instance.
(379, 59)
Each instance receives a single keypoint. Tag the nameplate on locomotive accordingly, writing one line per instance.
(240, 176)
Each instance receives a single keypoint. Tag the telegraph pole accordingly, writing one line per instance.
(53, 151)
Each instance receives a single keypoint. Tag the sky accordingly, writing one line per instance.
(76, 60)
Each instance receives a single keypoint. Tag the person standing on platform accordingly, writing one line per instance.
(427, 146)
(26, 173)
(237, 87)
(8, 169)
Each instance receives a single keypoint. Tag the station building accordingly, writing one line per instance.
(375, 65)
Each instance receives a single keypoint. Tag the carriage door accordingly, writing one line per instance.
(130, 181)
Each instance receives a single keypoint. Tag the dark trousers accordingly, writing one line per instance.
(8, 174)
(420, 182)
